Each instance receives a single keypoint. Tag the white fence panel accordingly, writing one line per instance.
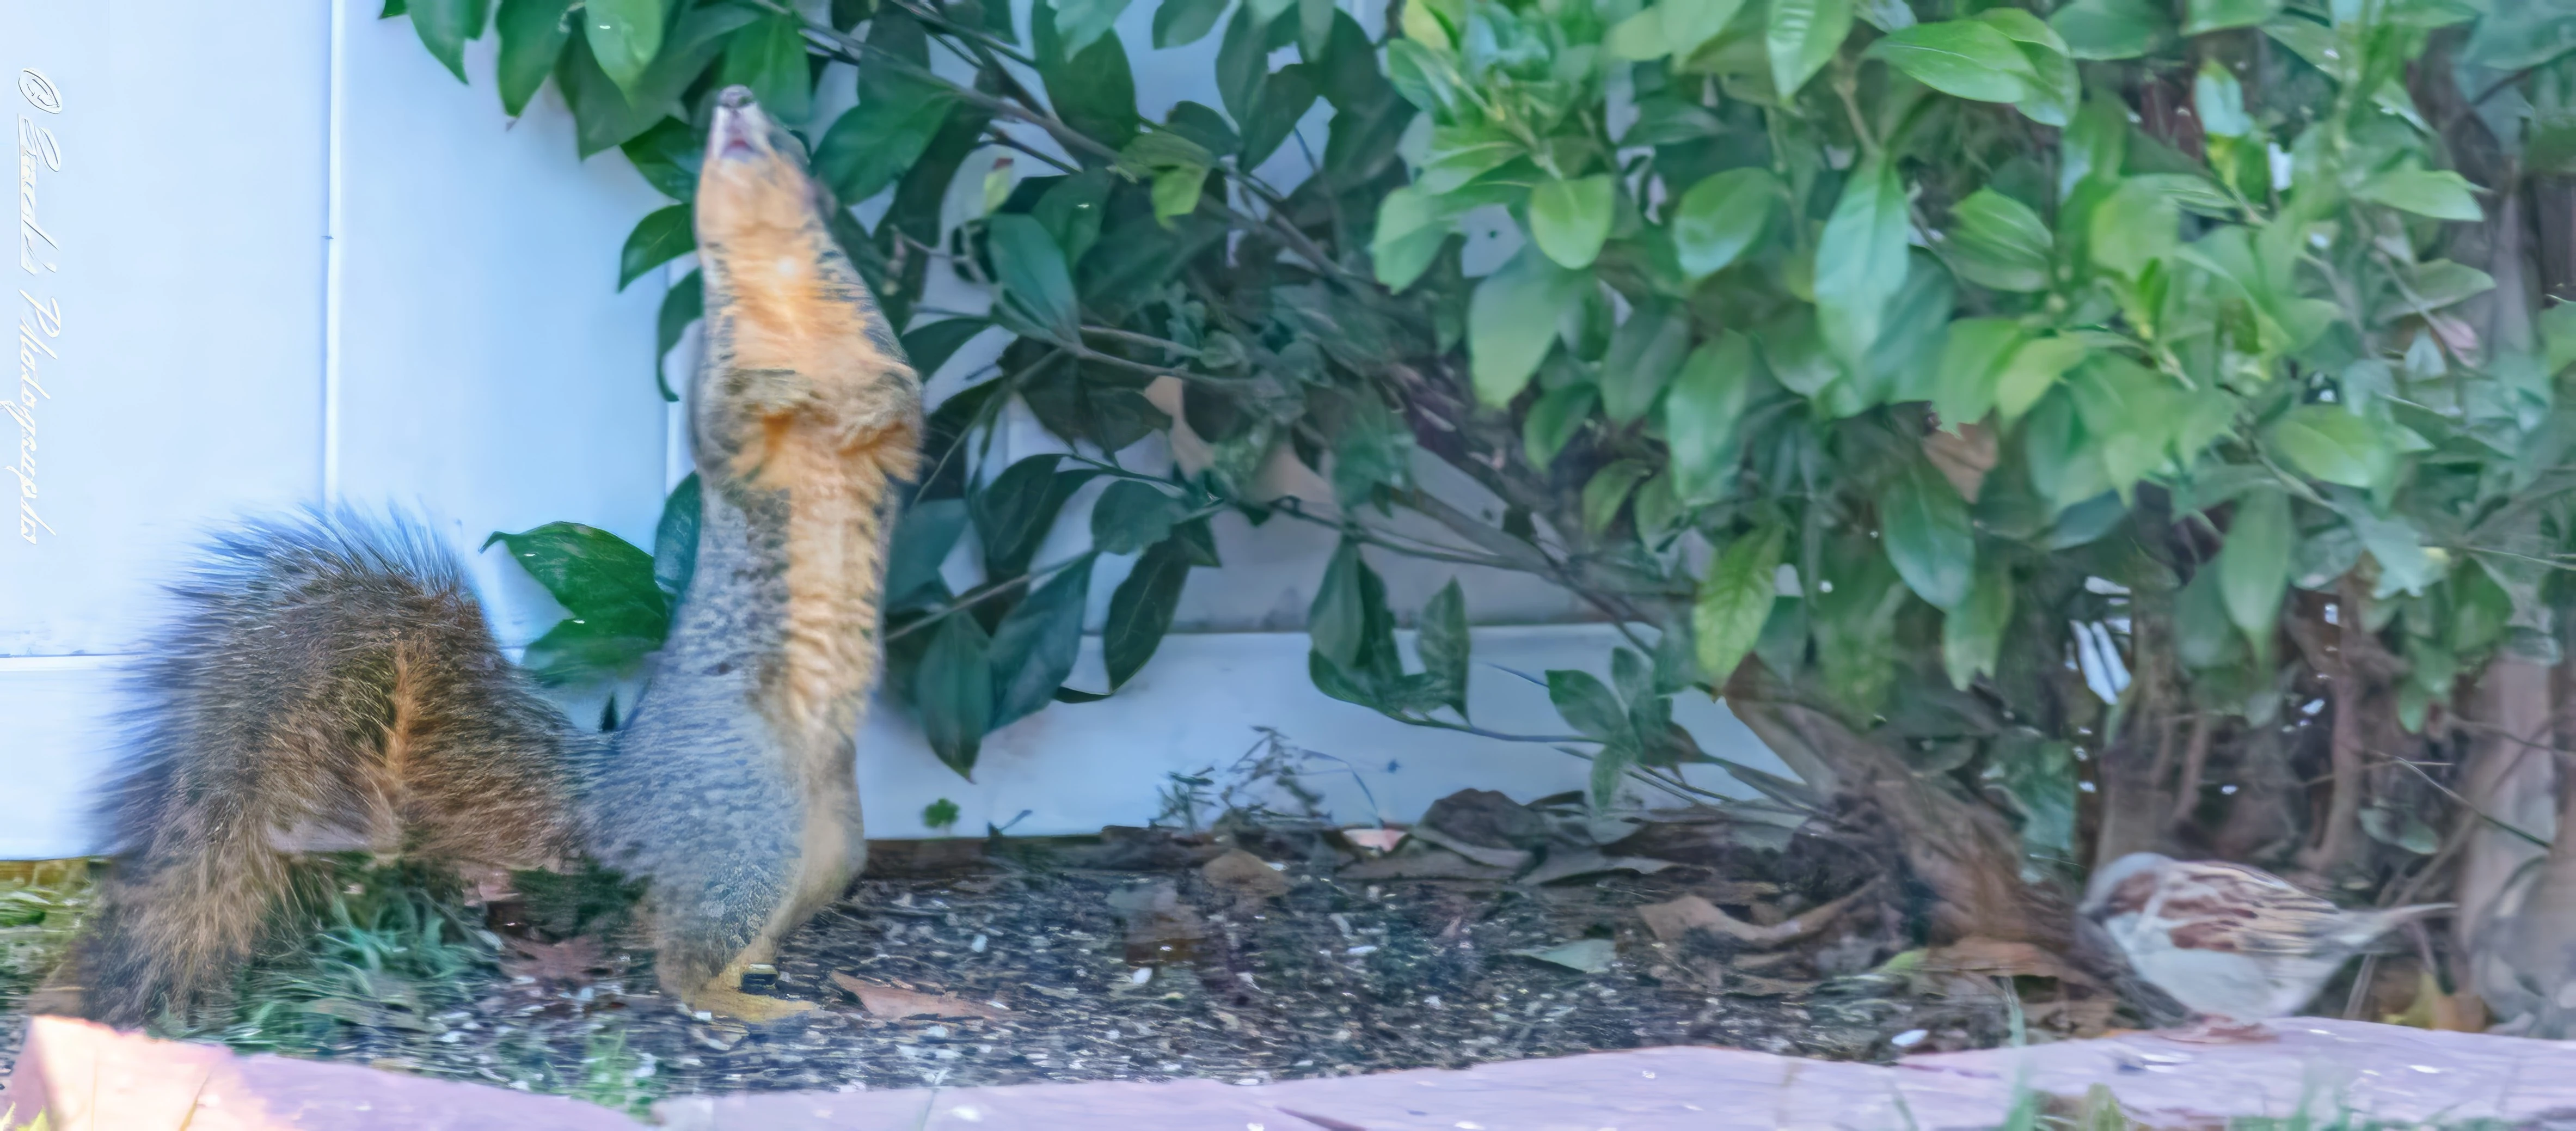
(296, 262)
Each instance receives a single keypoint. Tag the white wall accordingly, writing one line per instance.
(300, 262)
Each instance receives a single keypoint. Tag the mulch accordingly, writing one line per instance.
(1247, 956)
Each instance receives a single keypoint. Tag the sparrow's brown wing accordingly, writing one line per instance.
(2234, 909)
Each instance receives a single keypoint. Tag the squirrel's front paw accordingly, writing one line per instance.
(724, 996)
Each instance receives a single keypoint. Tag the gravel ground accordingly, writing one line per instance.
(1124, 959)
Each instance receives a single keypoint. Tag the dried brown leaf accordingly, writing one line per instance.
(573, 960)
(1244, 875)
(1675, 918)
(896, 1002)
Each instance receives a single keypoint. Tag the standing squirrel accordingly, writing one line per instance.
(332, 684)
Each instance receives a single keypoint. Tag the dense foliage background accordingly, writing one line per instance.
(2058, 431)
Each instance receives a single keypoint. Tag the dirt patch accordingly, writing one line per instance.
(1259, 955)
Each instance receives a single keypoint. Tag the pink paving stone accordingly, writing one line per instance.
(2380, 1071)
(1663, 1089)
(93, 1078)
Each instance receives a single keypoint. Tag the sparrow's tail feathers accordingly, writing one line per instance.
(2367, 928)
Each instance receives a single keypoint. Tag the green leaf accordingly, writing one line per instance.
(1925, 526)
(1177, 190)
(1132, 515)
(1972, 359)
(1570, 219)
(675, 538)
(1036, 286)
(2033, 371)
(1860, 259)
(1411, 229)
(2055, 86)
(1609, 766)
(1314, 28)
(684, 303)
(1638, 38)
(1801, 37)
(2038, 776)
(940, 814)
(1511, 322)
(1972, 635)
(2136, 225)
(2335, 446)
(1083, 22)
(607, 115)
(1686, 24)
(923, 538)
(1965, 58)
(667, 156)
(1285, 97)
(2440, 194)
(1014, 512)
(661, 236)
(1444, 645)
(1035, 646)
(930, 345)
(2212, 15)
(578, 652)
(1375, 448)
(604, 581)
(2112, 29)
(1702, 414)
(872, 144)
(1072, 212)
(446, 25)
(1588, 706)
(1722, 216)
(1092, 89)
(1607, 490)
(1140, 610)
(2402, 830)
(2220, 101)
(1555, 419)
(2254, 563)
(1338, 620)
(769, 57)
(1998, 242)
(1179, 23)
(1644, 352)
(953, 687)
(624, 36)
(533, 33)
(1735, 601)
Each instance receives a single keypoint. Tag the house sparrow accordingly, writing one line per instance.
(2235, 945)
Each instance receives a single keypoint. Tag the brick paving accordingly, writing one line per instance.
(92, 1079)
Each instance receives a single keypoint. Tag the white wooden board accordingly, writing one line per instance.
(297, 262)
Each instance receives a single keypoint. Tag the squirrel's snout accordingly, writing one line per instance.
(739, 129)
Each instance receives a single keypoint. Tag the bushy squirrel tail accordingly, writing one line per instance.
(328, 683)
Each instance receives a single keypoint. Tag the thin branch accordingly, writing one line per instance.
(1147, 340)
(2469, 805)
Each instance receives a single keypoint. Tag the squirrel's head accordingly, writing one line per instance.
(753, 180)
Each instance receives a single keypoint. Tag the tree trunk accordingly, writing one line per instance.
(1962, 854)
(2135, 801)
(2509, 775)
